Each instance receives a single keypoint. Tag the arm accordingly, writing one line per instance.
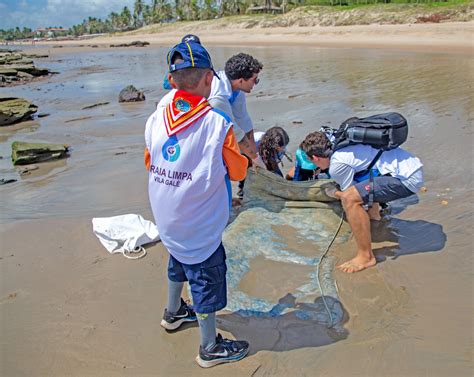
(243, 121)
(223, 104)
(342, 173)
(235, 162)
(241, 115)
(147, 159)
(248, 148)
(253, 144)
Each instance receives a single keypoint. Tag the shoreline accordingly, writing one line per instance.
(455, 37)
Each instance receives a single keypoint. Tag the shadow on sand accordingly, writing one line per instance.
(411, 237)
(283, 332)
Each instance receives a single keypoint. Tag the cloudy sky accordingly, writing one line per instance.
(65, 13)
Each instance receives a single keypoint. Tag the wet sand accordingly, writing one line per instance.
(69, 308)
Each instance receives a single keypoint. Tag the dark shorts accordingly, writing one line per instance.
(206, 280)
(386, 189)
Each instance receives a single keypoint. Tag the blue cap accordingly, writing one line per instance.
(193, 54)
(191, 38)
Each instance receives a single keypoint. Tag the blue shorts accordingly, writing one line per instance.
(206, 280)
(386, 189)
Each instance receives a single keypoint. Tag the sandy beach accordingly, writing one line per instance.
(454, 36)
(67, 307)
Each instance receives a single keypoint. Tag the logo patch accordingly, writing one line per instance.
(182, 105)
(171, 149)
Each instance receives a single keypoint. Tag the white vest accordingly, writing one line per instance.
(188, 185)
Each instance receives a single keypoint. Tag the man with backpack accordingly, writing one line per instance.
(369, 170)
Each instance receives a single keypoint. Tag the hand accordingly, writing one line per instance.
(257, 161)
(331, 191)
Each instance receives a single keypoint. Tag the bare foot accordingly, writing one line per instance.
(356, 265)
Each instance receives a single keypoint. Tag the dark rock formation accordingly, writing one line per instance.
(27, 153)
(132, 44)
(13, 110)
(131, 94)
(18, 68)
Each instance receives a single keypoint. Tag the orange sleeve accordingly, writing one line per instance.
(147, 158)
(235, 162)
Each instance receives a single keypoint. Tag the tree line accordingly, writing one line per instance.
(166, 11)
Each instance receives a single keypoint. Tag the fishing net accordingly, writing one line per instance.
(275, 247)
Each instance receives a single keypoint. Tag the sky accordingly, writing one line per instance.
(43, 13)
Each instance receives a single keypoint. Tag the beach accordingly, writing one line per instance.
(67, 307)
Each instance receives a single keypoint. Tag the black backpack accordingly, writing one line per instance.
(382, 131)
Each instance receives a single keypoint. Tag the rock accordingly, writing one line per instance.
(8, 71)
(27, 153)
(28, 68)
(4, 181)
(18, 68)
(132, 44)
(13, 110)
(95, 105)
(24, 75)
(131, 94)
(140, 43)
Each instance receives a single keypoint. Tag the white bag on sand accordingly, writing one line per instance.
(125, 234)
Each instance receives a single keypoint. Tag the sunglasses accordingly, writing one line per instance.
(255, 81)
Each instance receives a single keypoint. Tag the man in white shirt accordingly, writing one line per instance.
(240, 75)
(397, 175)
(228, 95)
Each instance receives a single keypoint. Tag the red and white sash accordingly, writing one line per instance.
(183, 111)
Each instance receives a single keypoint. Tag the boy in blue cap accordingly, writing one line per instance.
(191, 154)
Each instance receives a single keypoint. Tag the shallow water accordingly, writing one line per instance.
(310, 85)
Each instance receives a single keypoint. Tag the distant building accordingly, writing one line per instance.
(51, 32)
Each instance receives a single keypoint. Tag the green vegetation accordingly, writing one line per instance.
(162, 12)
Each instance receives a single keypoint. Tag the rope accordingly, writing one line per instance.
(137, 250)
(331, 324)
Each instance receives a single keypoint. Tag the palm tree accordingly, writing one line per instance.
(138, 13)
(125, 18)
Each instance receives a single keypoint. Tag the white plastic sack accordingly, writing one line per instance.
(125, 234)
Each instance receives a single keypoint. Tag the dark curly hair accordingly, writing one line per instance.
(316, 144)
(242, 66)
(274, 138)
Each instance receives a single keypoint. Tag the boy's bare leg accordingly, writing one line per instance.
(359, 221)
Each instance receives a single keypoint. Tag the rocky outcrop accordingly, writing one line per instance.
(13, 110)
(131, 94)
(132, 44)
(28, 153)
(18, 68)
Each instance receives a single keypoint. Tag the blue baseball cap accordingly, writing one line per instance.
(193, 54)
(191, 38)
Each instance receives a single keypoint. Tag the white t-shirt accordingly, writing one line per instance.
(188, 185)
(223, 98)
(345, 163)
